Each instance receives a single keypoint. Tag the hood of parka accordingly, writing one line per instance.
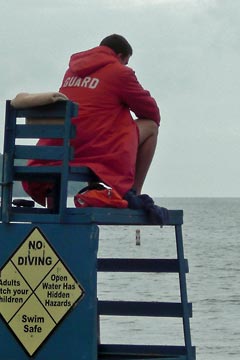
(87, 62)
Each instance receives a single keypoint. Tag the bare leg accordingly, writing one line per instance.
(148, 133)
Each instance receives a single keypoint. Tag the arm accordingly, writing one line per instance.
(136, 98)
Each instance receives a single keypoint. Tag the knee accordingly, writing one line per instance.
(153, 127)
(147, 128)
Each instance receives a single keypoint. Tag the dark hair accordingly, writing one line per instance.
(118, 44)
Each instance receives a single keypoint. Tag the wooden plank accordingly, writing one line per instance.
(85, 174)
(100, 216)
(141, 308)
(56, 110)
(117, 356)
(143, 350)
(43, 131)
(39, 152)
(111, 216)
(140, 265)
(20, 171)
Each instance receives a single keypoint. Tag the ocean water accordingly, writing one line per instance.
(212, 246)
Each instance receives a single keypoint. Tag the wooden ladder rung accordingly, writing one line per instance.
(142, 308)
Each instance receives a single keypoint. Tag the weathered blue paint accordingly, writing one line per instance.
(76, 246)
(73, 233)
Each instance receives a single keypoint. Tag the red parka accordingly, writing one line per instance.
(107, 135)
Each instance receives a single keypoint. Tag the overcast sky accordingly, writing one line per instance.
(186, 52)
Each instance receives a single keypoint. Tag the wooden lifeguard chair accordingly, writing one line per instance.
(47, 252)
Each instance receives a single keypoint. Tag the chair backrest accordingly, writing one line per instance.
(47, 121)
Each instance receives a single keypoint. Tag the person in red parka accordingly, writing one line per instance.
(116, 147)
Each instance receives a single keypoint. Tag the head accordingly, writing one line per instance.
(120, 46)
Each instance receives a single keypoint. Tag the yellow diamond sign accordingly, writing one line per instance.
(36, 291)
